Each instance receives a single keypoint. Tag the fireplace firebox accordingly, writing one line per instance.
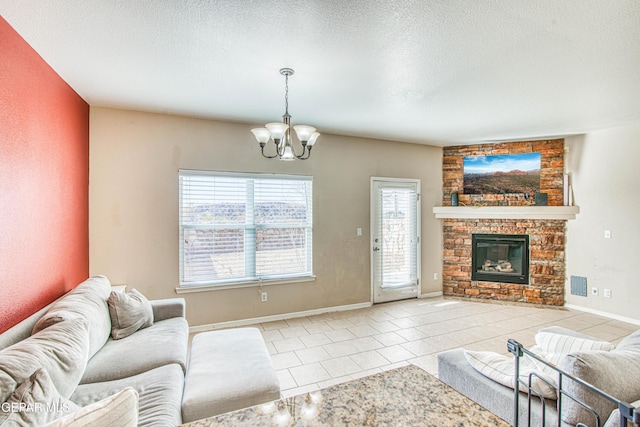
(500, 258)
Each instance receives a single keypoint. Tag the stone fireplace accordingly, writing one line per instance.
(546, 260)
(542, 281)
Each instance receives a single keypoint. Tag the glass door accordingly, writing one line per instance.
(395, 239)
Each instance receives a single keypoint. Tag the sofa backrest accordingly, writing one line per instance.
(21, 330)
(87, 301)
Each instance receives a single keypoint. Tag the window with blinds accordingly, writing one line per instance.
(237, 228)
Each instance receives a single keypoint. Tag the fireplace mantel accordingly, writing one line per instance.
(507, 212)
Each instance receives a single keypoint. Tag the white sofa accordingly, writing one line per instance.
(83, 365)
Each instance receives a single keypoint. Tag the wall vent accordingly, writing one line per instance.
(579, 286)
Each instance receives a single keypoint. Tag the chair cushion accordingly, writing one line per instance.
(616, 372)
(60, 349)
(555, 346)
(500, 368)
(87, 301)
(551, 346)
(160, 344)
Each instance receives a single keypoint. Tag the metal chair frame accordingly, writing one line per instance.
(627, 412)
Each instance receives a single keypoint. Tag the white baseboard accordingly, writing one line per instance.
(275, 317)
(604, 314)
(431, 295)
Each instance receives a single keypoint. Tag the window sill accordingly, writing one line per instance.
(251, 284)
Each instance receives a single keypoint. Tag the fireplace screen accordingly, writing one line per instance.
(500, 258)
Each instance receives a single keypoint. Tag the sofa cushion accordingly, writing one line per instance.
(616, 372)
(501, 368)
(88, 301)
(162, 343)
(120, 409)
(159, 394)
(61, 349)
(35, 402)
(129, 312)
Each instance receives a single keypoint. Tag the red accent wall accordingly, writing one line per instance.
(44, 180)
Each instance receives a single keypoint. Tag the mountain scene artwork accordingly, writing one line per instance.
(502, 174)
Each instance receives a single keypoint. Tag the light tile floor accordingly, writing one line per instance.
(314, 352)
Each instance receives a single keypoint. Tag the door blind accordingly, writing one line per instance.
(397, 222)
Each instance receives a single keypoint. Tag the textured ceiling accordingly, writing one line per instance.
(426, 71)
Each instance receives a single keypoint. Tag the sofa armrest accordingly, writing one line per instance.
(168, 308)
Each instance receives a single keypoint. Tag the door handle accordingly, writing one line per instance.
(375, 249)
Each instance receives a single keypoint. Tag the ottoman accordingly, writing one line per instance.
(228, 370)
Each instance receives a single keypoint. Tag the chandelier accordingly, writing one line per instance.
(281, 132)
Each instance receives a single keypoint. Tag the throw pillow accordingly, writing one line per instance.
(62, 350)
(554, 347)
(120, 409)
(616, 372)
(35, 402)
(87, 301)
(501, 369)
(129, 311)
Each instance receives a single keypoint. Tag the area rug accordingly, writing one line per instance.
(406, 396)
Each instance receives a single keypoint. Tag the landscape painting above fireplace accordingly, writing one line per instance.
(502, 174)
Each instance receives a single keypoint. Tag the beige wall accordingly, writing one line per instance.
(605, 167)
(134, 162)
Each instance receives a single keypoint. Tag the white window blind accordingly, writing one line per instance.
(244, 227)
(397, 223)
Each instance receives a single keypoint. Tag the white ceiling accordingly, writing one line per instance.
(439, 72)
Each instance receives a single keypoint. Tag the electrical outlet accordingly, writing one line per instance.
(594, 292)
(607, 293)
(435, 276)
(264, 297)
(607, 234)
